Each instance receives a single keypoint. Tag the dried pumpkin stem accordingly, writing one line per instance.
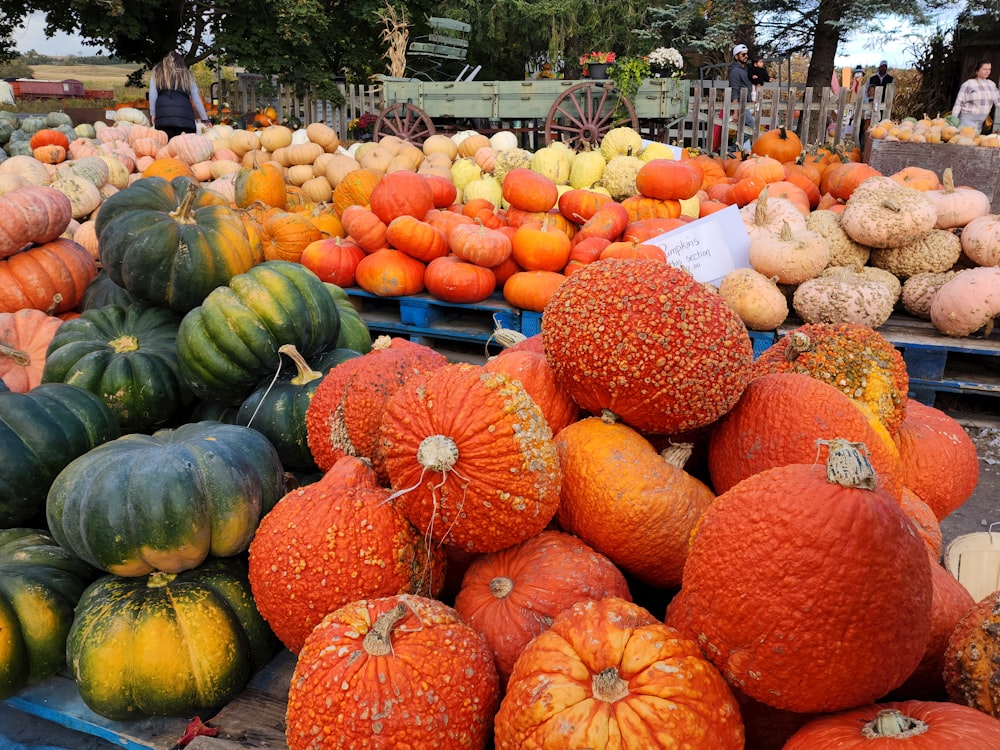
(378, 640)
(305, 373)
(184, 213)
(158, 579)
(437, 453)
(893, 724)
(677, 454)
(20, 358)
(848, 465)
(798, 343)
(607, 685)
(501, 586)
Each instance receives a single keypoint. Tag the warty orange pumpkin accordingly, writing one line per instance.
(332, 542)
(533, 370)
(401, 671)
(647, 342)
(971, 657)
(607, 674)
(512, 595)
(800, 577)
(470, 458)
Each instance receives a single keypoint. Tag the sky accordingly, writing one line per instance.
(864, 50)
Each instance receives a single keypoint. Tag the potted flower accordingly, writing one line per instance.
(595, 64)
(666, 62)
(362, 128)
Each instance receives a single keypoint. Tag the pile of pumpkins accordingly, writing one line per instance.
(932, 130)
(204, 448)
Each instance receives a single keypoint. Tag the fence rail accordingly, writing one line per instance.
(714, 122)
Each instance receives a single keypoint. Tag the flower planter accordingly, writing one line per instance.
(597, 71)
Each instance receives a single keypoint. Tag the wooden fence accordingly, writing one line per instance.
(714, 121)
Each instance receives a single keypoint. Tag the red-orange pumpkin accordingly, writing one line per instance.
(332, 542)
(401, 193)
(24, 338)
(51, 277)
(538, 247)
(480, 245)
(529, 190)
(470, 458)
(780, 144)
(32, 214)
(333, 259)
(48, 137)
(390, 273)
(365, 228)
(402, 671)
(668, 179)
(533, 370)
(512, 595)
(972, 655)
(416, 238)
(647, 342)
(611, 673)
(800, 577)
(531, 290)
(452, 279)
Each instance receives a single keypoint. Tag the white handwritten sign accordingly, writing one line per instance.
(707, 248)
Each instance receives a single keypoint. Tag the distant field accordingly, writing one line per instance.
(93, 76)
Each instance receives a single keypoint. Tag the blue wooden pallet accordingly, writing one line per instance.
(937, 363)
(254, 718)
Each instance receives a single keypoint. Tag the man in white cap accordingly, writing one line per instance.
(881, 79)
(739, 81)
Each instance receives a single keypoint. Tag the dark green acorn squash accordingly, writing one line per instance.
(167, 644)
(40, 584)
(231, 341)
(278, 407)
(166, 501)
(103, 291)
(354, 333)
(171, 243)
(125, 355)
(42, 431)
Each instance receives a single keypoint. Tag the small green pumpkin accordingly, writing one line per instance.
(231, 341)
(103, 291)
(166, 501)
(278, 407)
(171, 243)
(167, 644)
(42, 431)
(125, 355)
(40, 584)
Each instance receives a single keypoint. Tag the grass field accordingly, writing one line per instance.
(93, 76)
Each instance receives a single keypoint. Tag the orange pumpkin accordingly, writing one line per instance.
(333, 259)
(533, 370)
(800, 577)
(536, 247)
(512, 595)
(332, 542)
(451, 279)
(355, 189)
(51, 277)
(390, 273)
(470, 457)
(365, 228)
(345, 412)
(480, 245)
(647, 342)
(531, 290)
(603, 462)
(841, 180)
(401, 193)
(971, 656)
(938, 458)
(668, 179)
(285, 235)
(529, 190)
(781, 144)
(918, 178)
(416, 238)
(779, 419)
(579, 205)
(443, 687)
(640, 207)
(609, 669)
(630, 249)
(263, 183)
(24, 339)
(32, 214)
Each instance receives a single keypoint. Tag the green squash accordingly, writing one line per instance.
(103, 291)
(125, 355)
(41, 432)
(40, 584)
(230, 342)
(171, 243)
(278, 407)
(354, 333)
(166, 501)
(167, 644)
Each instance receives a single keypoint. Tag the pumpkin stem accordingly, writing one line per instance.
(184, 213)
(158, 579)
(798, 343)
(608, 416)
(786, 231)
(948, 180)
(305, 373)
(381, 342)
(847, 464)
(893, 724)
(378, 640)
(760, 211)
(501, 586)
(20, 358)
(437, 452)
(677, 454)
(607, 685)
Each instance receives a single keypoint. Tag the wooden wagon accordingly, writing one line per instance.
(577, 112)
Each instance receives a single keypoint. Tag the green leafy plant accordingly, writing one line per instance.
(628, 73)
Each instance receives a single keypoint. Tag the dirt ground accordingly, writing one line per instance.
(983, 508)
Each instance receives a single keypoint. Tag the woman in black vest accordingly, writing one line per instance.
(174, 97)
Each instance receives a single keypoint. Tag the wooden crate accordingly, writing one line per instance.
(975, 166)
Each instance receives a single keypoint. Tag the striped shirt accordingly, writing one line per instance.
(976, 97)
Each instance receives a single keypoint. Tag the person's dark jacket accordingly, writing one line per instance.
(739, 79)
(759, 76)
(174, 110)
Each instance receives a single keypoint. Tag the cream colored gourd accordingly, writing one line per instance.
(968, 302)
(843, 250)
(957, 206)
(768, 215)
(844, 297)
(936, 252)
(758, 301)
(883, 213)
(981, 240)
(790, 257)
(919, 291)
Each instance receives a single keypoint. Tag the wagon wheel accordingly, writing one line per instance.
(584, 112)
(406, 121)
